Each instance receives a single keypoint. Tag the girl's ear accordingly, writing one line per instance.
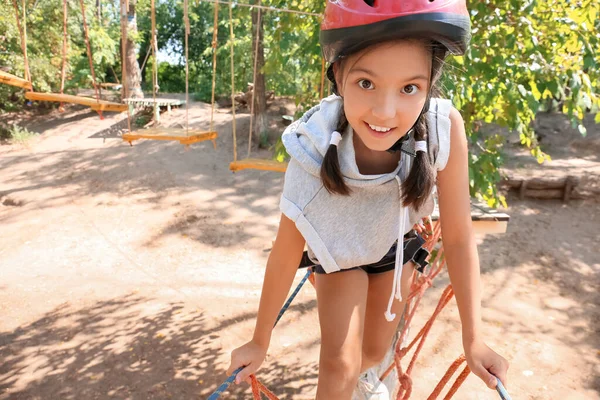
(337, 73)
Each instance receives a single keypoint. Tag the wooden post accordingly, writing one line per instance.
(522, 189)
(569, 183)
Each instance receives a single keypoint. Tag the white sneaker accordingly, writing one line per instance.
(369, 387)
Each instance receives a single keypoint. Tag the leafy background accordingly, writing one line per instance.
(525, 57)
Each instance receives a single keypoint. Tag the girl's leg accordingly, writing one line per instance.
(378, 332)
(341, 301)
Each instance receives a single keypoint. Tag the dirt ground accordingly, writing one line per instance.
(132, 272)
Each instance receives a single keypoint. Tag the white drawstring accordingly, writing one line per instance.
(397, 284)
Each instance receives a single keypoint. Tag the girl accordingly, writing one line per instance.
(363, 168)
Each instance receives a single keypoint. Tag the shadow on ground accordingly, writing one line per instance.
(128, 346)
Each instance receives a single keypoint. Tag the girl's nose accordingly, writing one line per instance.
(384, 107)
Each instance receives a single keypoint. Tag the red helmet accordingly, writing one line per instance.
(351, 25)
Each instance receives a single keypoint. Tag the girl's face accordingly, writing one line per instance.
(384, 89)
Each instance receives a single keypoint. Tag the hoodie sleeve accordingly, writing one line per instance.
(299, 188)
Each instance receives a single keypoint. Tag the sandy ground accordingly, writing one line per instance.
(132, 272)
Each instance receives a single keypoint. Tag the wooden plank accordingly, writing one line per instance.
(256, 163)
(101, 105)
(149, 102)
(14, 80)
(181, 135)
(485, 219)
(109, 107)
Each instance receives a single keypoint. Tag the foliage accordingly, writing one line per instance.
(20, 135)
(525, 56)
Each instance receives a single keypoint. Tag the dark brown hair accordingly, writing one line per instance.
(420, 181)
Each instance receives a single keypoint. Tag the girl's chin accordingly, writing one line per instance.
(379, 145)
(376, 144)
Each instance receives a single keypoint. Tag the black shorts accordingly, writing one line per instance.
(413, 251)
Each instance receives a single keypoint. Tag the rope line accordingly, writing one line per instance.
(231, 378)
(268, 8)
(214, 63)
(154, 50)
(89, 51)
(23, 34)
(124, 39)
(233, 126)
(63, 70)
(186, 20)
(254, 79)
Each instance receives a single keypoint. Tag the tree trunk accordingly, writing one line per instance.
(132, 80)
(99, 11)
(260, 100)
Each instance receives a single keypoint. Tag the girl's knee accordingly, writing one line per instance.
(343, 368)
(374, 352)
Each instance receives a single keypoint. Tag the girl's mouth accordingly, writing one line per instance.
(379, 131)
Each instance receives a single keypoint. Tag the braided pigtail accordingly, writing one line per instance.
(420, 180)
(331, 174)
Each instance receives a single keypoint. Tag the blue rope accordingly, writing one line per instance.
(502, 391)
(217, 393)
(289, 301)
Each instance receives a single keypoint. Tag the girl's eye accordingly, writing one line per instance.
(410, 89)
(365, 84)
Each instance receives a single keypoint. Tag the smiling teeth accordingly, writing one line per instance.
(379, 128)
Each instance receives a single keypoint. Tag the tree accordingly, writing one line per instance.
(132, 81)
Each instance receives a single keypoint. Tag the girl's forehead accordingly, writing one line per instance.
(398, 55)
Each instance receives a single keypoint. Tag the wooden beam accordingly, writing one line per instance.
(109, 107)
(99, 105)
(257, 163)
(181, 135)
(14, 80)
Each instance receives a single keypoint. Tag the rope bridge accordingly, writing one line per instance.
(418, 287)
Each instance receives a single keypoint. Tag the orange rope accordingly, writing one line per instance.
(258, 388)
(451, 370)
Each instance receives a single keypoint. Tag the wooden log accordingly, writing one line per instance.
(540, 183)
(544, 193)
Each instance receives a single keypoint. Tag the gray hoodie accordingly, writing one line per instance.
(343, 232)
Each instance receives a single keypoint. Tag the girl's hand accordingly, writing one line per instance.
(250, 356)
(486, 363)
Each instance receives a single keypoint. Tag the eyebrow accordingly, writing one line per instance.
(368, 71)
